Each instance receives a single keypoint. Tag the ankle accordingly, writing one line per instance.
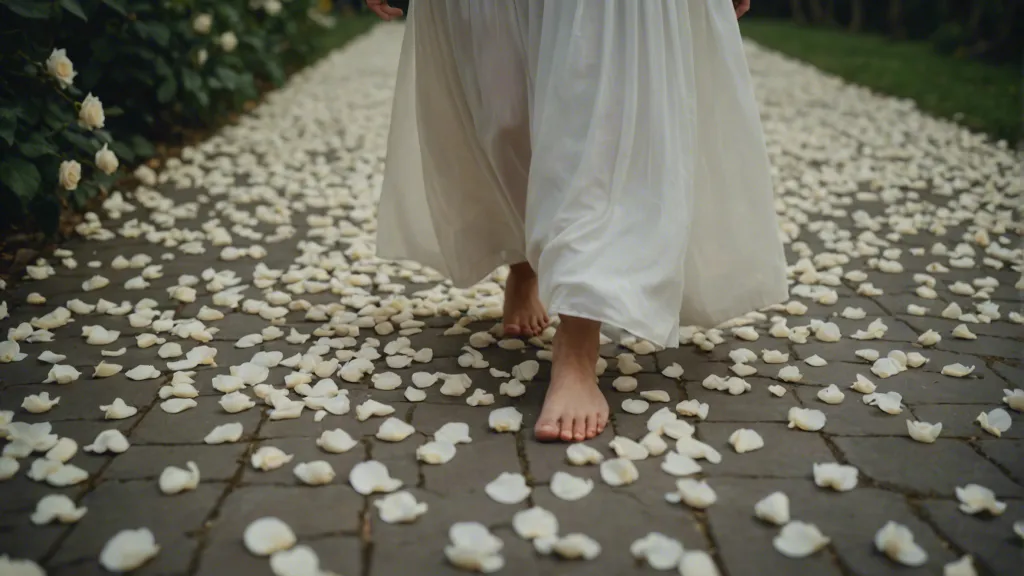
(576, 343)
(522, 271)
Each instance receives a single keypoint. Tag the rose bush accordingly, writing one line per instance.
(86, 85)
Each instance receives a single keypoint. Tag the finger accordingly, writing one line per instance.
(380, 12)
(380, 8)
(392, 11)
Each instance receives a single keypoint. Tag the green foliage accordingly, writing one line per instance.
(989, 30)
(981, 96)
(157, 66)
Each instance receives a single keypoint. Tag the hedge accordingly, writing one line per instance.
(991, 30)
(86, 85)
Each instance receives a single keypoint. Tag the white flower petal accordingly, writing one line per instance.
(773, 508)
(174, 480)
(508, 488)
(268, 535)
(799, 539)
(400, 507)
(128, 550)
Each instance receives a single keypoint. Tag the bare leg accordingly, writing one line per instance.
(524, 314)
(574, 407)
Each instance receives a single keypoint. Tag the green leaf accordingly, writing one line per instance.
(21, 176)
(123, 151)
(46, 210)
(191, 80)
(156, 31)
(116, 6)
(8, 123)
(36, 145)
(28, 8)
(228, 78)
(83, 143)
(113, 111)
(142, 146)
(74, 7)
(165, 93)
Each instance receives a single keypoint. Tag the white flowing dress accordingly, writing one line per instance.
(615, 145)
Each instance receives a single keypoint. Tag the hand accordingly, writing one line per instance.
(381, 8)
(741, 7)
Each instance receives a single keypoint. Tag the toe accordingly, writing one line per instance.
(512, 330)
(579, 429)
(538, 325)
(602, 422)
(591, 426)
(566, 434)
(546, 430)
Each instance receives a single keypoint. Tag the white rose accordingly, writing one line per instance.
(202, 24)
(201, 56)
(70, 173)
(60, 67)
(272, 7)
(90, 115)
(228, 41)
(106, 160)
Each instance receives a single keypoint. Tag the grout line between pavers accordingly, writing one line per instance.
(366, 521)
(524, 463)
(97, 479)
(202, 534)
(918, 511)
(1006, 471)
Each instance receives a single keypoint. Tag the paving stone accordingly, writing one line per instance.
(896, 303)
(159, 427)
(940, 389)
(990, 540)
(989, 347)
(117, 506)
(79, 402)
(1005, 453)
(302, 450)
(746, 545)
(846, 299)
(492, 452)
(19, 495)
(310, 511)
(22, 539)
(785, 452)
(758, 405)
(698, 372)
(958, 420)
(1012, 374)
(632, 520)
(339, 554)
(854, 418)
(422, 543)
(546, 458)
(399, 457)
(945, 327)
(215, 463)
(925, 469)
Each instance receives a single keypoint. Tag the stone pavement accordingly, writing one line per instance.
(864, 183)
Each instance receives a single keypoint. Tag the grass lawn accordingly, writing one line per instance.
(981, 96)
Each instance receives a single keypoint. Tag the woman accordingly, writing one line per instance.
(609, 151)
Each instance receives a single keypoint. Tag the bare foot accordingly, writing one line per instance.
(524, 315)
(574, 407)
